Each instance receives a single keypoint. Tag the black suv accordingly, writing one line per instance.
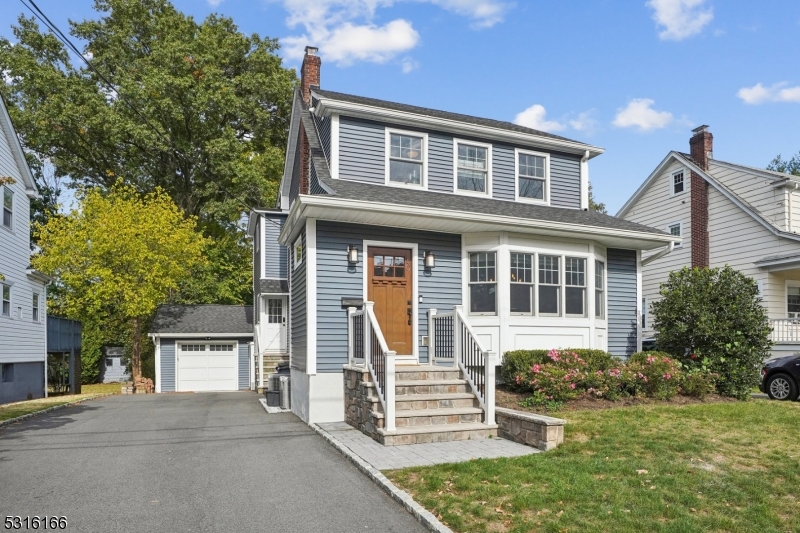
(780, 376)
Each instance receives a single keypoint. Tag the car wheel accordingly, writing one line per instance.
(782, 387)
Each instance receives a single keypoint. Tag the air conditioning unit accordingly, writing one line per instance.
(274, 383)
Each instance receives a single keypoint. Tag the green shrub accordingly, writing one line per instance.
(518, 363)
(641, 357)
(659, 376)
(713, 318)
(558, 380)
(698, 382)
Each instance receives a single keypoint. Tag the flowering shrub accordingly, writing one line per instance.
(558, 380)
(698, 382)
(659, 376)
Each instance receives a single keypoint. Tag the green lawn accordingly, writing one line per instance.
(14, 410)
(717, 467)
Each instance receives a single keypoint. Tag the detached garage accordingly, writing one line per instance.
(202, 348)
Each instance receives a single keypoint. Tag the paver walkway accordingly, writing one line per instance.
(392, 457)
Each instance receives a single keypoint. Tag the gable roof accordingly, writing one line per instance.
(206, 319)
(7, 128)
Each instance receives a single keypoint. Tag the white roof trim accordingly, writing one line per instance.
(16, 148)
(328, 106)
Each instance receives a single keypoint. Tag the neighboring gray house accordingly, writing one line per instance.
(202, 347)
(114, 366)
(23, 291)
(391, 217)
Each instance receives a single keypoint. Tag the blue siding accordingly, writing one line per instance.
(503, 178)
(297, 323)
(275, 255)
(565, 181)
(28, 382)
(167, 365)
(361, 150)
(244, 363)
(440, 287)
(622, 302)
(323, 126)
(440, 162)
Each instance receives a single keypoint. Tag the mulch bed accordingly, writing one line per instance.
(511, 400)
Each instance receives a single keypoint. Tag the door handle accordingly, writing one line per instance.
(408, 312)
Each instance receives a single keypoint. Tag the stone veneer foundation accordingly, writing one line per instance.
(539, 431)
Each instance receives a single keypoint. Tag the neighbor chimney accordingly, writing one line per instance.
(309, 73)
(701, 147)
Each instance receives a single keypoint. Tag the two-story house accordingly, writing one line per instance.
(23, 291)
(726, 214)
(408, 240)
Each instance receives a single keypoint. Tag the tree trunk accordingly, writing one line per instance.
(136, 350)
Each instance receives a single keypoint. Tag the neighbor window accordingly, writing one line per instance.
(482, 283)
(531, 176)
(644, 312)
(405, 159)
(521, 283)
(35, 307)
(793, 301)
(8, 206)
(675, 230)
(193, 347)
(549, 285)
(109, 362)
(599, 289)
(298, 251)
(8, 372)
(677, 183)
(6, 289)
(472, 168)
(575, 278)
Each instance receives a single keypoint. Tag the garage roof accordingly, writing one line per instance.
(203, 319)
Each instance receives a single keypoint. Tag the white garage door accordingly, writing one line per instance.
(208, 367)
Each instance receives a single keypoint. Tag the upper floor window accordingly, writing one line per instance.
(35, 307)
(472, 167)
(406, 159)
(532, 176)
(6, 296)
(677, 183)
(483, 283)
(8, 206)
(599, 289)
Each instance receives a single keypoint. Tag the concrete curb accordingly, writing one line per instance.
(10, 421)
(423, 516)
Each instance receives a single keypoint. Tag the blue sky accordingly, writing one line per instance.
(631, 76)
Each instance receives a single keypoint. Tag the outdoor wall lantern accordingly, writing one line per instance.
(430, 260)
(352, 254)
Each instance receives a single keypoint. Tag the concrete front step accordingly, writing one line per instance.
(430, 386)
(433, 417)
(426, 372)
(434, 401)
(425, 434)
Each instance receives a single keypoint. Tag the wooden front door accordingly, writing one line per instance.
(390, 286)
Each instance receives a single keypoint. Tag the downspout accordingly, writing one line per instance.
(660, 254)
(585, 181)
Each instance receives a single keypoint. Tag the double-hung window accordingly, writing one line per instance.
(677, 183)
(35, 307)
(575, 278)
(483, 283)
(532, 176)
(792, 301)
(8, 207)
(472, 168)
(522, 283)
(549, 285)
(298, 251)
(599, 289)
(6, 295)
(675, 230)
(406, 158)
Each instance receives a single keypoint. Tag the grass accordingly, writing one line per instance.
(720, 467)
(14, 410)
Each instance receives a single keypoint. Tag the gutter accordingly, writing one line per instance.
(660, 254)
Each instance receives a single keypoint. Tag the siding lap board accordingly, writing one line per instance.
(361, 150)
(297, 325)
(565, 181)
(244, 363)
(622, 302)
(503, 168)
(275, 255)
(167, 365)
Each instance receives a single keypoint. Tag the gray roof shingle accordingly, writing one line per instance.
(274, 286)
(203, 319)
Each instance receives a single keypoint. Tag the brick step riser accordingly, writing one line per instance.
(409, 390)
(444, 436)
(413, 405)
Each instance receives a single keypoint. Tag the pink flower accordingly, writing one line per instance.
(667, 376)
(553, 354)
(571, 385)
(537, 368)
(614, 372)
(651, 359)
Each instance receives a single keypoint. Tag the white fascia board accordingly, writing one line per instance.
(39, 276)
(18, 153)
(646, 185)
(209, 336)
(327, 106)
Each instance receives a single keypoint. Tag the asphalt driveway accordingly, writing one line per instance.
(186, 462)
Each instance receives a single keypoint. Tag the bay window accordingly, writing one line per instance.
(521, 283)
(549, 285)
(575, 277)
(599, 289)
(483, 283)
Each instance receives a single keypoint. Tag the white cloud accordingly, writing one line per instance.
(214, 3)
(680, 18)
(584, 122)
(778, 92)
(534, 117)
(640, 114)
(408, 65)
(345, 30)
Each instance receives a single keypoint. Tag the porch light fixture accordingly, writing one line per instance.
(352, 254)
(430, 260)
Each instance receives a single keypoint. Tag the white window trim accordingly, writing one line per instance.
(787, 284)
(585, 287)
(387, 153)
(37, 308)
(496, 282)
(517, 197)
(488, 146)
(298, 241)
(680, 226)
(2, 208)
(602, 289)
(672, 182)
(533, 284)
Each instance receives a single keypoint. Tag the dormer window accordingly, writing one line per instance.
(533, 176)
(473, 168)
(406, 159)
(677, 183)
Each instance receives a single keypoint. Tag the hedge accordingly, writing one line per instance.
(520, 362)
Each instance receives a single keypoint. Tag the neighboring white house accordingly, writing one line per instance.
(726, 214)
(23, 359)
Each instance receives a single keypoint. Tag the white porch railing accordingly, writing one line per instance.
(785, 330)
(366, 345)
(451, 340)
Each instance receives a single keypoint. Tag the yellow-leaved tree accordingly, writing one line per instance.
(119, 250)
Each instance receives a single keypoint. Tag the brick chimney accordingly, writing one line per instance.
(701, 148)
(309, 73)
